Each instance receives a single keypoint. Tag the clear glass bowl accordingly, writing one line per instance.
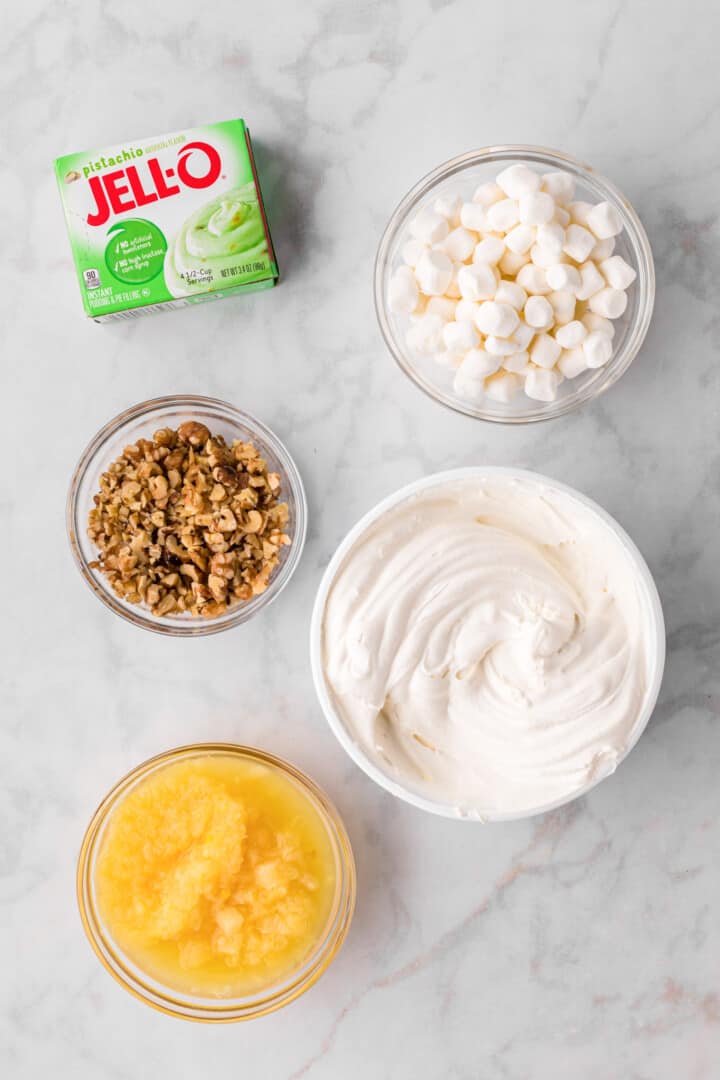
(464, 173)
(142, 421)
(218, 1010)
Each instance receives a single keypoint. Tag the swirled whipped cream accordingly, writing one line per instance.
(485, 643)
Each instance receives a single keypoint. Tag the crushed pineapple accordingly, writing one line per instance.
(216, 875)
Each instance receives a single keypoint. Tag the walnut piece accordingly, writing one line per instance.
(186, 523)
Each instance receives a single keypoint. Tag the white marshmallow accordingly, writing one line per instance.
(453, 289)
(420, 309)
(500, 346)
(473, 216)
(571, 334)
(551, 237)
(442, 306)
(596, 322)
(579, 242)
(543, 257)
(520, 239)
(429, 227)
(562, 217)
(597, 348)
(450, 360)
(604, 221)
(509, 292)
(517, 180)
(533, 279)
(545, 351)
(459, 244)
(561, 185)
(434, 272)
(503, 387)
(465, 310)
(536, 209)
(512, 262)
(603, 249)
(449, 206)
(487, 194)
(522, 336)
(497, 319)
(618, 273)
(465, 387)
(477, 282)
(563, 277)
(501, 216)
(519, 362)
(579, 211)
(403, 293)
(610, 303)
(591, 281)
(425, 335)
(478, 364)
(563, 302)
(539, 313)
(412, 251)
(490, 250)
(460, 336)
(541, 385)
(572, 362)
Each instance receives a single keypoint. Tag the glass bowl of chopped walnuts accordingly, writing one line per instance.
(186, 516)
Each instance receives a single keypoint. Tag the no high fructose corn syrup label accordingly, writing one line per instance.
(167, 221)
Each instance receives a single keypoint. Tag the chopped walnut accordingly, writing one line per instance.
(186, 523)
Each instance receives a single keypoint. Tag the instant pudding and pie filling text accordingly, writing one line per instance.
(167, 221)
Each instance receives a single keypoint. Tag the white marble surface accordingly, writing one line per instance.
(580, 945)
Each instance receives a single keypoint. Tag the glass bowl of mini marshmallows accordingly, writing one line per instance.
(514, 283)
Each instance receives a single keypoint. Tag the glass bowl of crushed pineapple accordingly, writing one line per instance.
(216, 882)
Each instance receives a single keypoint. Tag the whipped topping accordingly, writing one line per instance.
(485, 642)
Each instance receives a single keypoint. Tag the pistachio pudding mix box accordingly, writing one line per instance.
(168, 221)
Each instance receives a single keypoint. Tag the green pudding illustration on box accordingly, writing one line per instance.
(168, 221)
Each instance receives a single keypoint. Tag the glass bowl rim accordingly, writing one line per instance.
(439, 807)
(173, 1002)
(195, 626)
(638, 240)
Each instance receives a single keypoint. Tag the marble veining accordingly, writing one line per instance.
(582, 944)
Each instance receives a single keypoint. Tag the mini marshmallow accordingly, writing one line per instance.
(500, 346)
(501, 216)
(579, 242)
(563, 302)
(460, 336)
(610, 303)
(536, 209)
(448, 206)
(512, 262)
(465, 310)
(572, 362)
(465, 387)
(473, 216)
(477, 282)
(571, 334)
(543, 257)
(604, 221)
(459, 244)
(522, 336)
(453, 289)
(518, 180)
(551, 237)
(490, 250)
(509, 292)
(497, 319)
(561, 185)
(596, 322)
(564, 277)
(478, 364)
(545, 351)
(618, 273)
(412, 251)
(503, 387)
(520, 239)
(539, 313)
(591, 281)
(403, 293)
(579, 211)
(440, 305)
(434, 272)
(429, 227)
(420, 309)
(597, 348)
(603, 249)
(487, 194)
(425, 335)
(447, 359)
(533, 279)
(562, 218)
(541, 385)
(518, 362)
